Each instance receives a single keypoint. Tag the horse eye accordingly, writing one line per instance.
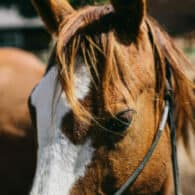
(121, 121)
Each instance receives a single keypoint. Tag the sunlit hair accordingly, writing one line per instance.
(104, 49)
(107, 50)
(183, 87)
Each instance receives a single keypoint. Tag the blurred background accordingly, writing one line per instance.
(20, 27)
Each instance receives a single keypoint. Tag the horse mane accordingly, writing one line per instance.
(183, 73)
(77, 34)
(87, 23)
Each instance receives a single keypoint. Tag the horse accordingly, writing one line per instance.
(20, 71)
(106, 95)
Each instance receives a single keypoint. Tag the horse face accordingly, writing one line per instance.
(119, 147)
(79, 158)
(118, 99)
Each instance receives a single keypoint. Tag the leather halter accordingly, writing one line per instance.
(167, 117)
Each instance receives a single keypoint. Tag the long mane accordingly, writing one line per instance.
(183, 77)
(73, 39)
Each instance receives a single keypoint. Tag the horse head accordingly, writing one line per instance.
(99, 106)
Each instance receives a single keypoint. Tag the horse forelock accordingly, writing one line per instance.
(90, 31)
(105, 54)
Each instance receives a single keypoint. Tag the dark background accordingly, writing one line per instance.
(176, 16)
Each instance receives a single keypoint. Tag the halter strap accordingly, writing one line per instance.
(167, 116)
(138, 171)
(171, 121)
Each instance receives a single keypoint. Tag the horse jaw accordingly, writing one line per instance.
(60, 162)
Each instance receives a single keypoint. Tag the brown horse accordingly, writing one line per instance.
(20, 71)
(100, 104)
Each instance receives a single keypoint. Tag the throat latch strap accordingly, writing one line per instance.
(171, 121)
(167, 116)
(138, 171)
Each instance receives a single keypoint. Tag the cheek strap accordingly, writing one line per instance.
(167, 117)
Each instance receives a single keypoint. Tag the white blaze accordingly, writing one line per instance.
(60, 162)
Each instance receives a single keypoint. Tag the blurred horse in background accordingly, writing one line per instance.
(20, 71)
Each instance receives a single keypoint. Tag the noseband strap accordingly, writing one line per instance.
(167, 117)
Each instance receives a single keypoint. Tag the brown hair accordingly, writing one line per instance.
(183, 91)
(70, 43)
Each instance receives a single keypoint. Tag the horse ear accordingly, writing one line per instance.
(130, 13)
(52, 12)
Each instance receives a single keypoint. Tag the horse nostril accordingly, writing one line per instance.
(121, 121)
